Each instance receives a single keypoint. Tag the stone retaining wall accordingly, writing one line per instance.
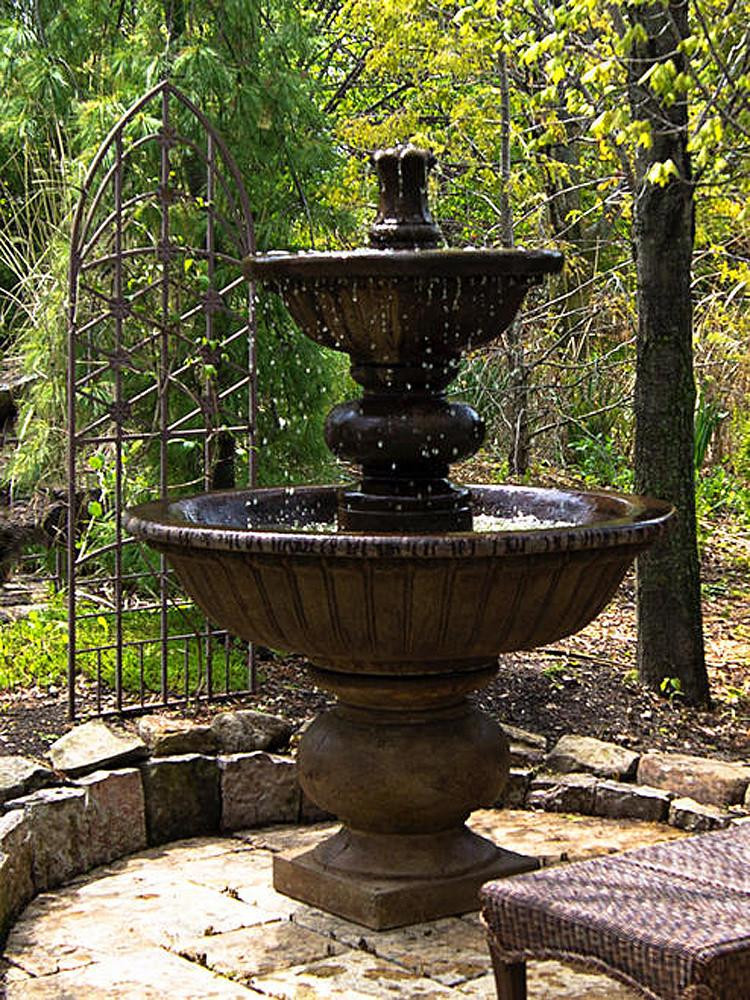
(585, 775)
(111, 793)
(70, 827)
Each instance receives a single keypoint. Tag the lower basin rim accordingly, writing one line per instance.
(165, 525)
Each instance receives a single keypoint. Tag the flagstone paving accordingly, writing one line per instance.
(199, 919)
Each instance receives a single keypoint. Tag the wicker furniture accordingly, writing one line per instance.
(671, 921)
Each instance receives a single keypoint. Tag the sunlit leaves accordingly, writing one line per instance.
(250, 65)
(660, 173)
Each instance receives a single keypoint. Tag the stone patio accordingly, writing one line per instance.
(198, 919)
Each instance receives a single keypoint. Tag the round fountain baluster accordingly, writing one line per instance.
(404, 434)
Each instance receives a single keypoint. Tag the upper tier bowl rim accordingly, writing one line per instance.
(345, 265)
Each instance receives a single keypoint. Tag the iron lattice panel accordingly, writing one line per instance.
(161, 396)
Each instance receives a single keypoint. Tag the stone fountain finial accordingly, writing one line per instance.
(404, 221)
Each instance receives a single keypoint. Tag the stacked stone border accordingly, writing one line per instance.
(595, 778)
(110, 794)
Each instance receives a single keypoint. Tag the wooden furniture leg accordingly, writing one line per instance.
(510, 978)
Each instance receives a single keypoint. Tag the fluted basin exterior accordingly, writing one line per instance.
(399, 604)
(400, 307)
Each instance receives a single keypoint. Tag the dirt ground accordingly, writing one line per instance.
(586, 684)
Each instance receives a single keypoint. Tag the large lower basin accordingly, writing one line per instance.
(399, 604)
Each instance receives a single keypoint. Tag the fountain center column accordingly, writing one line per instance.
(404, 433)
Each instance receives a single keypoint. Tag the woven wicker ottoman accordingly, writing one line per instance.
(671, 921)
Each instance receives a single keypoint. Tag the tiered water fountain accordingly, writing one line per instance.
(399, 603)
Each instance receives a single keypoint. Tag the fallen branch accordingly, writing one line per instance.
(570, 654)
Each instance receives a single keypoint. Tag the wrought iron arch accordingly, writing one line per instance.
(161, 395)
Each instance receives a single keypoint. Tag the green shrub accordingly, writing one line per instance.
(34, 649)
(721, 493)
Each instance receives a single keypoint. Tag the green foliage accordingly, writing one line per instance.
(301, 383)
(295, 86)
(671, 688)
(600, 461)
(741, 434)
(33, 650)
(431, 72)
(483, 382)
(720, 493)
(708, 417)
(69, 73)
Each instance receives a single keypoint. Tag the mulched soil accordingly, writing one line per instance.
(586, 684)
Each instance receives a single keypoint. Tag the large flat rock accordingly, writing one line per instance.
(258, 789)
(173, 737)
(554, 837)
(713, 782)
(95, 746)
(527, 749)
(183, 797)
(697, 817)
(584, 753)
(568, 793)
(452, 950)
(151, 974)
(256, 951)
(16, 881)
(58, 831)
(115, 814)
(245, 730)
(622, 800)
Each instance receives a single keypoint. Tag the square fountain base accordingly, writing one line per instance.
(381, 904)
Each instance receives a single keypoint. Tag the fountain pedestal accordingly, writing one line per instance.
(387, 900)
(402, 760)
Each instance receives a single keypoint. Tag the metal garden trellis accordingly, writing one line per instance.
(161, 377)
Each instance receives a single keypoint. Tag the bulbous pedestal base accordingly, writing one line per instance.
(402, 761)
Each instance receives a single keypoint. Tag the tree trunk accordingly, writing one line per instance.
(519, 374)
(670, 635)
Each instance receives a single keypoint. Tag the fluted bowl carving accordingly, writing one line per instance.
(398, 307)
(400, 604)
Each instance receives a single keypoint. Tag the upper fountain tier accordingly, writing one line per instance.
(404, 301)
(405, 311)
